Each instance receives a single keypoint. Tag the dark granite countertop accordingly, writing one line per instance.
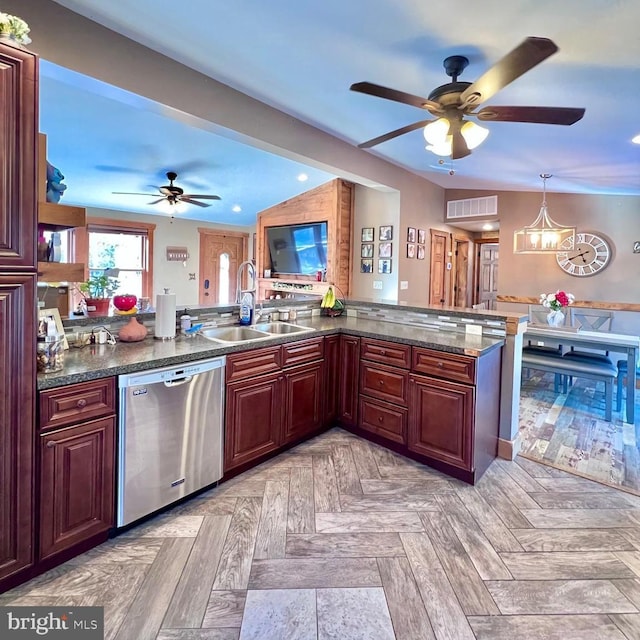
(104, 360)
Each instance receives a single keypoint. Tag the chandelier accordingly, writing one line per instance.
(544, 235)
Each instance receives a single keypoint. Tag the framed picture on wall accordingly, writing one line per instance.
(386, 232)
(384, 250)
(384, 266)
(366, 251)
(411, 234)
(420, 252)
(421, 236)
(366, 235)
(366, 265)
(411, 251)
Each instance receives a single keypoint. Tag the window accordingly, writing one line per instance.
(120, 247)
(223, 277)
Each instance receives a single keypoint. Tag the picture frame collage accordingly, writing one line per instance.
(416, 243)
(385, 249)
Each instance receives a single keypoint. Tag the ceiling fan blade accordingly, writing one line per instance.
(393, 134)
(397, 96)
(202, 197)
(525, 56)
(538, 115)
(157, 201)
(190, 201)
(165, 190)
(128, 193)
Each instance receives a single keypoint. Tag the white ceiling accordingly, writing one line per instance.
(301, 57)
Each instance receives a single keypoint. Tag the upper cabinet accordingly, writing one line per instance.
(18, 153)
(331, 203)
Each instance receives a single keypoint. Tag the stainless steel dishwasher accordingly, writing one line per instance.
(170, 435)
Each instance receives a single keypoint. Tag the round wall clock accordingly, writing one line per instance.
(589, 256)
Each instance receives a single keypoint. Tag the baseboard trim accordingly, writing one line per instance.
(509, 449)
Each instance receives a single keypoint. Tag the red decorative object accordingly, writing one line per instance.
(125, 302)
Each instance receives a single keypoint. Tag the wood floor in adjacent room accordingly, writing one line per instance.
(569, 432)
(341, 539)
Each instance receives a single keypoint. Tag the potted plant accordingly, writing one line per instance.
(97, 292)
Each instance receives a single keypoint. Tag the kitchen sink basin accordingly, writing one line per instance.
(234, 334)
(281, 328)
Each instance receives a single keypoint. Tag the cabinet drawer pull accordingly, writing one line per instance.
(440, 365)
(81, 404)
(380, 382)
(383, 352)
(51, 444)
(380, 419)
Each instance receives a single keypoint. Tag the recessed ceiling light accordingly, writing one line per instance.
(487, 226)
(636, 139)
(303, 177)
(236, 208)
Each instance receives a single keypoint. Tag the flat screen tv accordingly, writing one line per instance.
(298, 248)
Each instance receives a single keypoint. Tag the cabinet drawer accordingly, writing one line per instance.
(449, 366)
(387, 420)
(77, 403)
(303, 351)
(385, 383)
(398, 355)
(252, 363)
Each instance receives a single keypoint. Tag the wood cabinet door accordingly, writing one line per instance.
(331, 379)
(349, 380)
(303, 401)
(441, 420)
(18, 154)
(253, 419)
(17, 419)
(76, 484)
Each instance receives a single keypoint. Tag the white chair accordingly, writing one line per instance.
(538, 315)
(591, 320)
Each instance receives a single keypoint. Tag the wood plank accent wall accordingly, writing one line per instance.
(331, 202)
(586, 304)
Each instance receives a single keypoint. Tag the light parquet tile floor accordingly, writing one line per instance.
(341, 539)
(569, 432)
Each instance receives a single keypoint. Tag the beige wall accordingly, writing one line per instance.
(615, 217)
(179, 232)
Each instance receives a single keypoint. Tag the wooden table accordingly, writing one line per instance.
(602, 340)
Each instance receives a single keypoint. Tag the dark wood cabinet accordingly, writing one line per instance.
(17, 411)
(331, 379)
(441, 420)
(76, 485)
(253, 419)
(19, 153)
(303, 401)
(77, 427)
(265, 411)
(349, 381)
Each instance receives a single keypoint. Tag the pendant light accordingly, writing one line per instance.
(544, 235)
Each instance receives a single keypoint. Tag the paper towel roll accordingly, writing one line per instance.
(165, 315)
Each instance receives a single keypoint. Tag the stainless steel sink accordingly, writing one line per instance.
(281, 328)
(234, 334)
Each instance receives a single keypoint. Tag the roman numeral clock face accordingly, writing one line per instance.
(589, 255)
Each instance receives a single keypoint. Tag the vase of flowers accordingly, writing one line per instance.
(555, 302)
(14, 30)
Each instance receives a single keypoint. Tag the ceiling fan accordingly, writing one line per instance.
(173, 194)
(450, 134)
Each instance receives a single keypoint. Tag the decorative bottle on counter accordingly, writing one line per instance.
(133, 331)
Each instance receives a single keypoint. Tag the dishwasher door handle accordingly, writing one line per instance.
(178, 382)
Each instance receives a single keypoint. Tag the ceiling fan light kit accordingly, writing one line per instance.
(450, 134)
(544, 235)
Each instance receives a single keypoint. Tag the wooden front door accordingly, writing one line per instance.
(488, 273)
(437, 290)
(461, 273)
(221, 253)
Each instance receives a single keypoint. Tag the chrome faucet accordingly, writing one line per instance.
(248, 264)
